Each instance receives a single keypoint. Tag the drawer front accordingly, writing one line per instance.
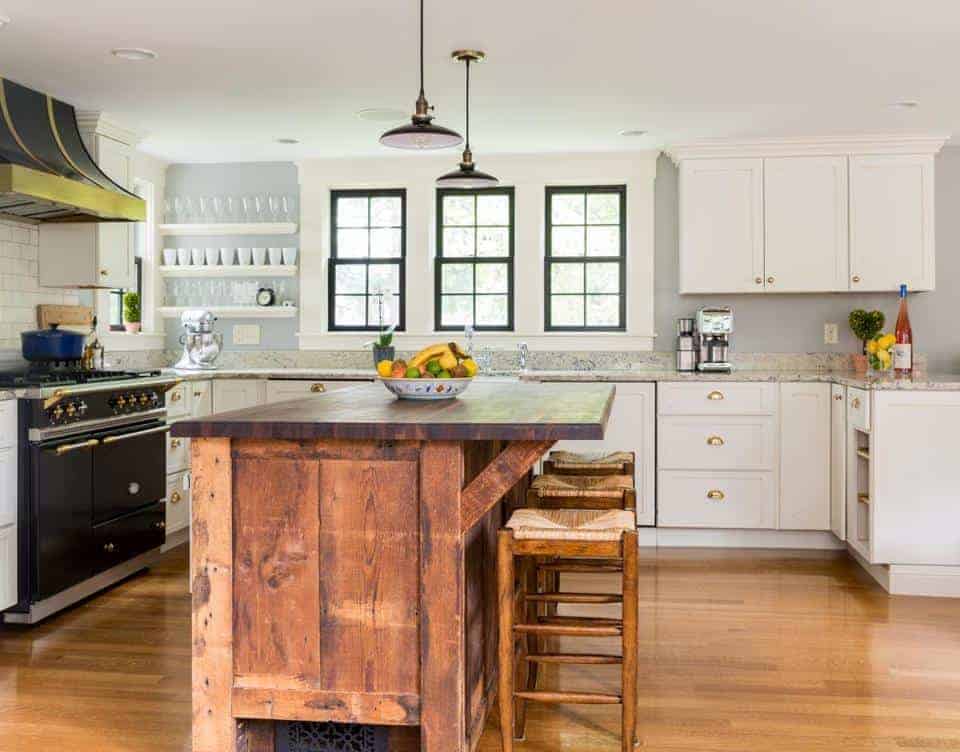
(178, 454)
(120, 540)
(178, 502)
(858, 408)
(178, 403)
(716, 499)
(721, 443)
(8, 485)
(201, 398)
(8, 423)
(717, 398)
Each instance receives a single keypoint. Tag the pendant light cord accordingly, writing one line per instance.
(468, 105)
(421, 48)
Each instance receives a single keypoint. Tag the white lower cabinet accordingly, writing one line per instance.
(280, 390)
(201, 398)
(8, 566)
(178, 502)
(8, 504)
(838, 461)
(692, 498)
(805, 456)
(237, 394)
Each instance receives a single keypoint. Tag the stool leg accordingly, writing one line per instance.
(631, 639)
(524, 670)
(505, 668)
(531, 612)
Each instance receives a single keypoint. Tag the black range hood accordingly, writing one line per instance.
(46, 172)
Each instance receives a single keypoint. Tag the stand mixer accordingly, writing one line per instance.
(201, 345)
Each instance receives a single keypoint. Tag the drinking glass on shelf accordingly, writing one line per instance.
(169, 215)
(289, 208)
(178, 210)
(249, 206)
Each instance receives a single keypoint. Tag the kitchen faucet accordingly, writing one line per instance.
(524, 351)
(468, 338)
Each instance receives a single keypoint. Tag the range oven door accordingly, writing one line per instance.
(129, 470)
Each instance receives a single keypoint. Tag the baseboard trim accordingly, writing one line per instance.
(703, 538)
(913, 579)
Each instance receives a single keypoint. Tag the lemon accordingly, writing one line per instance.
(384, 367)
(872, 347)
(886, 341)
(885, 357)
(471, 365)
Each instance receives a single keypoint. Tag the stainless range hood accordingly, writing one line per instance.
(46, 172)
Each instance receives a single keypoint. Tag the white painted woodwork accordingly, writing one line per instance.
(858, 408)
(178, 401)
(915, 474)
(631, 428)
(8, 504)
(177, 502)
(858, 482)
(229, 228)
(281, 390)
(721, 225)
(804, 456)
(838, 461)
(740, 499)
(8, 566)
(201, 397)
(805, 224)
(178, 454)
(234, 312)
(237, 394)
(892, 222)
(229, 270)
(732, 442)
(717, 398)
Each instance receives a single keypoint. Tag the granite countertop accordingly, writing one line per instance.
(7, 395)
(343, 374)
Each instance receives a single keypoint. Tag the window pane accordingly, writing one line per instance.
(459, 241)
(391, 309)
(493, 210)
(351, 279)
(492, 310)
(603, 278)
(352, 243)
(566, 310)
(348, 310)
(457, 278)
(603, 209)
(603, 310)
(456, 310)
(566, 278)
(567, 209)
(566, 241)
(385, 243)
(603, 241)
(458, 210)
(491, 278)
(493, 241)
(352, 212)
(385, 211)
(384, 278)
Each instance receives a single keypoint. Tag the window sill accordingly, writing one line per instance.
(549, 341)
(123, 341)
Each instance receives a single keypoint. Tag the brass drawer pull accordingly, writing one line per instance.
(716, 441)
(715, 395)
(175, 497)
(715, 495)
(175, 443)
(176, 396)
(856, 278)
(838, 397)
(856, 403)
(198, 395)
(317, 388)
(758, 280)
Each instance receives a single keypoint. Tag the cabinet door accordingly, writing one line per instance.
(201, 398)
(236, 394)
(114, 245)
(721, 225)
(8, 566)
(8, 485)
(281, 390)
(891, 223)
(805, 456)
(805, 224)
(631, 429)
(177, 507)
(838, 461)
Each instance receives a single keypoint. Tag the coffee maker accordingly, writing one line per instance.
(714, 327)
(201, 345)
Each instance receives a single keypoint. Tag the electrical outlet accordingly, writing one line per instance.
(246, 334)
(831, 335)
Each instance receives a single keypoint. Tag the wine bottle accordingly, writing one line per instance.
(903, 348)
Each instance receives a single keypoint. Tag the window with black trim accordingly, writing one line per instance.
(585, 264)
(367, 259)
(474, 264)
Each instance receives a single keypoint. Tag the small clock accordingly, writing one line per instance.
(265, 297)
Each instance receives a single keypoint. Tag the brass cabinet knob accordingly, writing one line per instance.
(109, 548)
(317, 388)
(104, 272)
(715, 396)
(175, 443)
(716, 441)
(838, 397)
(198, 395)
(175, 497)
(856, 278)
(715, 495)
(758, 280)
(176, 396)
(856, 403)
(770, 280)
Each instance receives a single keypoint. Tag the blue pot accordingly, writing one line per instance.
(52, 344)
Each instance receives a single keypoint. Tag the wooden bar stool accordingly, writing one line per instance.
(561, 462)
(582, 492)
(570, 534)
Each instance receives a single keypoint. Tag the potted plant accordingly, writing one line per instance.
(131, 312)
(383, 348)
(865, 325)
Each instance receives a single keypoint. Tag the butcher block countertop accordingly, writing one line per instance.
(486, 411)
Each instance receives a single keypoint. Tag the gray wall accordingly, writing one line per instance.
(237, 180)
(794, 323)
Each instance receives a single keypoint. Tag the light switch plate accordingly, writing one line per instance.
(246, 334)
(831, 334)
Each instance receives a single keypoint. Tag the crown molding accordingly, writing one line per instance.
(100, 123)
(892, 143)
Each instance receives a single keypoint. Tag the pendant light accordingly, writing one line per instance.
(467, 175)
(420, 133)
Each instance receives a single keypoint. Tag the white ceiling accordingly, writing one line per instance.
(562, 75)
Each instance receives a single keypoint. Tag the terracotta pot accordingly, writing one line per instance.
(132, 328)
(860, 363)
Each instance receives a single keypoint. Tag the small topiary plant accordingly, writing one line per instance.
(866, 325)
(131, 308)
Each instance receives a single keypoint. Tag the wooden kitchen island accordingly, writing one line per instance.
(344, 559)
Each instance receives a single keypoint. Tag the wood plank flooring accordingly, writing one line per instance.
(740, 650)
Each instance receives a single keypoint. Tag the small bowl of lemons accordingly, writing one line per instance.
(441, 371)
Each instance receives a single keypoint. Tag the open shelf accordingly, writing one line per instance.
(230, 228)
(229, 270)
(234, 312)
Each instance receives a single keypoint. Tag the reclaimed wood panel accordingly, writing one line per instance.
(487, 411)
(303, 704)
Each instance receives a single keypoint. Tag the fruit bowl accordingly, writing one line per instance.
(426, 388)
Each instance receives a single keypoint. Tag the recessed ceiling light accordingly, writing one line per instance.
(906, 104)
(4, 20)
(633, 132)
(134, 53)
(382, 115)
(287, 141)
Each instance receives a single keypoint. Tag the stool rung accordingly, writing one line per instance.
(578, 621)
(577, 698)
(574, 597)
(582, 567)
(570, 630)
(577, 658)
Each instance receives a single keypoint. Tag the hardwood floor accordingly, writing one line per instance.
(740, 650)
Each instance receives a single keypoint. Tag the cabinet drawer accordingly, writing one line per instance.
(178, 502)
(120, 540)
(178, 453)
(720, 443)
(8, 485)
(858, 408)
(716, 499)
(8, 423)
(717, 398)
(178, 404)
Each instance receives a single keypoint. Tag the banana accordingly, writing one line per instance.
(429, 353)
(457, 351)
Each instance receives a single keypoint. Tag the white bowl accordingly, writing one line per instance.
(426, 389)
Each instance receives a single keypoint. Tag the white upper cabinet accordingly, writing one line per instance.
(721, 225)
(891, 222)
(805, 224)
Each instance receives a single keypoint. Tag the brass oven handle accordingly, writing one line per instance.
(715, 495)
(64, 448)
(175, 497)
(317, 388)
(715, 395)
(715, 441)
(135, 434)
